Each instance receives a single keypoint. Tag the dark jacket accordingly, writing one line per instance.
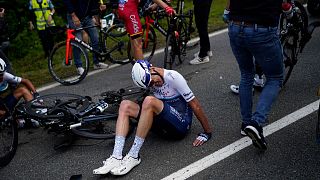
(266, 12)
(82, 8)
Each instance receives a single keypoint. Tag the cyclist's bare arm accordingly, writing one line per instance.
(201, 116)
(28, 85)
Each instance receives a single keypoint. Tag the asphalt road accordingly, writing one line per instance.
(292, 151)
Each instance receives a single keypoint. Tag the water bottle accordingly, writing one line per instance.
(287, 9)
(102, 105)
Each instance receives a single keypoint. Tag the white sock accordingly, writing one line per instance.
(137, 144)
(118, 146)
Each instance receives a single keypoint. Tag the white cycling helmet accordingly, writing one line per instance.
(2, 66)
(141, 73)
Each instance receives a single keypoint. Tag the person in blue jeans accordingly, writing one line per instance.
(80, 14)
(253, 35)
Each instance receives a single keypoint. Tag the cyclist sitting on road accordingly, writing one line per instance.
(11, 92)
(128, 12)
(168, 112)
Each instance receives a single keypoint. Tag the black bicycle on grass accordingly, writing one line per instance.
(67, 115)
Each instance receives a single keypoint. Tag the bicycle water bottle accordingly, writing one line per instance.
(102, 106)
(287, 9)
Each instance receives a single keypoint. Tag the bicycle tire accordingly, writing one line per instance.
(104, 128)
(8, 139)
(184, 36)
(172, 50)
(56, 106)
(147, 46)
(116, 42)
(289, 54)
(67, 74)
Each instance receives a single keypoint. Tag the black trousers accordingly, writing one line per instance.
(201, 13)
(46, 40)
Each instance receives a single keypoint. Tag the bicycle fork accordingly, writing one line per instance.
(69, 54)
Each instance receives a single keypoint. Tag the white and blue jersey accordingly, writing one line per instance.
(6, 92)
(176, 116)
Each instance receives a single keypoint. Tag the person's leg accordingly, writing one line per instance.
(269, 56)
(201, 13)
(94, 36)
(150, 107)
(246, 66)
(42, 36)
(127, 109)
(75, 51)
(136, 44)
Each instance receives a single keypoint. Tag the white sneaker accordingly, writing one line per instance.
(127, 164)
(198, 60)
(258, 81)
(80, 70)
(209, 53)
(108, 165)
(235, 89)
(100, 66)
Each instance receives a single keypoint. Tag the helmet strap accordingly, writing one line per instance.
(157, 73)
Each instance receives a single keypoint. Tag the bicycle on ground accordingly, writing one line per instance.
(66, 115)
(113, 41)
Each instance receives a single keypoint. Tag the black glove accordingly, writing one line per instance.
(36, 95)
(204, 136)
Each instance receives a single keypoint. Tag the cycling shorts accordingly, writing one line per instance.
(10, 102)
(128, 12)
(174, 121)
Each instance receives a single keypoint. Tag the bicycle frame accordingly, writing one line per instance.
(71, 37)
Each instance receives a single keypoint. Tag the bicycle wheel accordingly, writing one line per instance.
(68, 74)
(289, 55)
(184, 29)
(99, 127)
(171, 51)
(8, 139)
(148, 44)
(318, 126)
(56, 106)
(116, 43)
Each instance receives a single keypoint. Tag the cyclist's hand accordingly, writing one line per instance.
(225, 16)
(36, 95)
(76, 20)
(201, 139)
(49, 18)
(170, 11)
(31, 27)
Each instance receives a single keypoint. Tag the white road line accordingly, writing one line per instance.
(240, 144)
(158, 51)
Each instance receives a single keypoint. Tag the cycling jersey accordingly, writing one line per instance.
(6, 91)
(128, 12)
(176, 117)
(9, 79)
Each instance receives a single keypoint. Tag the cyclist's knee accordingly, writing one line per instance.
(150, 102)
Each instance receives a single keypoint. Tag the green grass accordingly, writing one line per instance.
(28, 59)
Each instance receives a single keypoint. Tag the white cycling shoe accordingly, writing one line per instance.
(108, 165)
(127, 164)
